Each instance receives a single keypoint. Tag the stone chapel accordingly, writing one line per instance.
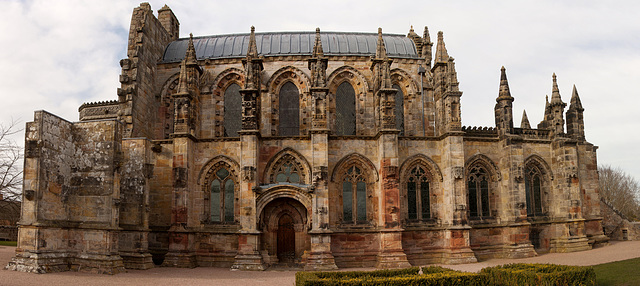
(318, 149)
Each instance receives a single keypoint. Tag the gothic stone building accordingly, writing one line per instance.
(326, 149)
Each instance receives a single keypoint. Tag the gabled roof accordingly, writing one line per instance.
(290, 43)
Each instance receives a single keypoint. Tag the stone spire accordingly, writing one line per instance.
(380, 66)
(426, 47)
(318, 67)
(575, 117)
(575, 100)
(524, 124)
(252, 63)
(504, 105)
(555, 93)
(441, 51)
(190, 56)
(252, 83)
(183, 82)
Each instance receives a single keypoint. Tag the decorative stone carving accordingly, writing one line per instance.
(248, 173)
(457, 173)
(320, 173)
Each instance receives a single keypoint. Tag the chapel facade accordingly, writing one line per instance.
(320, 149)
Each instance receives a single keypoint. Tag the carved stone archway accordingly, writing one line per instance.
(284, 225)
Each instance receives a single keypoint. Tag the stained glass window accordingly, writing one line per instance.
(287, 170)
(289, 114)
(232, 111)
(354, 204)
(418, 194)
(532, 184)
(345, 110)
(478, 187)
(222, 197)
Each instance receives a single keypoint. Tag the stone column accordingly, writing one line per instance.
(320, 256)
(391, 254)
(181, 241)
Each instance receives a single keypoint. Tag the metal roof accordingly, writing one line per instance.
(291, 43)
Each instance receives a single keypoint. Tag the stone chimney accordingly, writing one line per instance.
(169, 22)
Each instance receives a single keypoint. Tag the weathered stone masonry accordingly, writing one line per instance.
(320, 149)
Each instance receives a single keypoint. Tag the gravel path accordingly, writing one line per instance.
(222, 276)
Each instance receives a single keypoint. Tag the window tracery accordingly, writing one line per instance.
(399, 100)
(533, 187)
(289, 110)
(221, 197)
(345, 109)
(418, 194)
(354, 196)
(478, 192)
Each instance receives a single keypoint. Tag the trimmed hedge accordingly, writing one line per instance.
(511, 274)
(540, 274)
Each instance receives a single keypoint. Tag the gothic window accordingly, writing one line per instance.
(533, 184)
(288, 171)
(399, 99)
(345, 110)
(478, 187)
(232, 111)
(222, 196)
(417, 184)
(354, 196)
(289, 105)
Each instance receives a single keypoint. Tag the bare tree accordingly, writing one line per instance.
(620, 190)
(10, 174)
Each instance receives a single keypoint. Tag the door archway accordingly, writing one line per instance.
(284, 225)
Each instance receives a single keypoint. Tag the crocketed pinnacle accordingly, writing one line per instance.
(525, 121)
(441, 51)
(504, 86)
(190, 55)
(252, 52)
(183, 81)
(381, 50)
(555, 93)
(425, 35)
(317, 46)
(575, 100)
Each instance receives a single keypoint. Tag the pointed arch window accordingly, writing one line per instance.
(345, 110)
(419, 205)
(533, 186)
(232, 111)
(289, 110)
(354, 196)
(399, 99)
(222, 196)
(478, 187)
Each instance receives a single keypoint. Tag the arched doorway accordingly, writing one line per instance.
(284, 225)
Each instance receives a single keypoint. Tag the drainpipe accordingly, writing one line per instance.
(421, 72)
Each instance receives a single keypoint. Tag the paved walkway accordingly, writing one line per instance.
(219, 276)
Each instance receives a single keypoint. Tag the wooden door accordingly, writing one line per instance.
(286, 239)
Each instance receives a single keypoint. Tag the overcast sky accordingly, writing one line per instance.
(55, 55)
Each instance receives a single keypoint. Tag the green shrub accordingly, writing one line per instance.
(539, 274)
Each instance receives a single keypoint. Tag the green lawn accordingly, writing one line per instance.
(625, 272)
(8, 243)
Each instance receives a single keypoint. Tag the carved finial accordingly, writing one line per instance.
(441, 51)
(525, 121)
(425, 35)
(183, 82)
(381, 51)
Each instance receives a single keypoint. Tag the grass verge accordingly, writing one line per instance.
(619, 273)
(8, 243)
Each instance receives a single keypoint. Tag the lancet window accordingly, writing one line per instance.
(222, 196)
(354, 196)
(533, 186)
(232, 111)
(478, 187)
(419, 206)
(289, 106)
(345, 110)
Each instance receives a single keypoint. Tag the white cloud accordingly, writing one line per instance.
(57, 54)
